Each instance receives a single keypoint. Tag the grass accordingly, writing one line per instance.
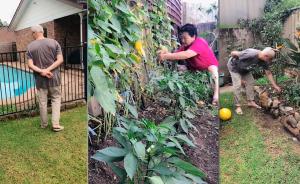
(6, 109)
(30, 155)
(247, 153)
(264, 81)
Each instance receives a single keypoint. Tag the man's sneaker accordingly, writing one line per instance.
(44, 126)
(58, 128)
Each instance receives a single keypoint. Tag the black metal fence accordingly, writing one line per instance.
(17, 85)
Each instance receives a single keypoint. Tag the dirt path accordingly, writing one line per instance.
(274, 134)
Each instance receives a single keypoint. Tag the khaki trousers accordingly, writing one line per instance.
(55, 96)
(237, 84)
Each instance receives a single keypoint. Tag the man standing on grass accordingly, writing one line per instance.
(240, 66)
(44, 58)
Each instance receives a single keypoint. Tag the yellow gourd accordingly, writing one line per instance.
(139, 48)
(225, 114)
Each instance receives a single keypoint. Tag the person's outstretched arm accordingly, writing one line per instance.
(235, 54)
(178, 55)
(272, 81)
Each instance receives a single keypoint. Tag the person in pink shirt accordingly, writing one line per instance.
(197, 53)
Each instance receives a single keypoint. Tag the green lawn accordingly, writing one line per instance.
(251, 155)
(30, 155)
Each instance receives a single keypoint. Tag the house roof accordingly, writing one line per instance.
(32, 12)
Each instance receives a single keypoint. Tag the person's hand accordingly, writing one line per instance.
(46, 73)
(162, 51)
(161, 57)
(182, 68)
(277, 88)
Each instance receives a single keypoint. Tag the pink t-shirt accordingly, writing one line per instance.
(205, 56)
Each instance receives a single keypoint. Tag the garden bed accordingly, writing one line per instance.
(282, 106)
(205, 156)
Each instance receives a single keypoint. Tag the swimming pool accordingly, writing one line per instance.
(14, 82)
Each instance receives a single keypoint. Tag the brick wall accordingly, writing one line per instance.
(67, 30)
(24, 36)
(7, 36)
(6, 39)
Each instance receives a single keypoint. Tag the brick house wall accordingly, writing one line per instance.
(24, 36)
(6, 35)
(63, 29)
(67, 30)
(6, 39)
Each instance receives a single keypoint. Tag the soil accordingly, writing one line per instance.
(205, 156)
(272, 128)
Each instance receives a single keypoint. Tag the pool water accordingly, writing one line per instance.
(14, 82)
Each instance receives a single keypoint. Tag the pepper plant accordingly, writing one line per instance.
(150, 153)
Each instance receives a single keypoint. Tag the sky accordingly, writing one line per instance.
(7, 9)
(204, 3)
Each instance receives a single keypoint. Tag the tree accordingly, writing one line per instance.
(3, 23)
(212, 10)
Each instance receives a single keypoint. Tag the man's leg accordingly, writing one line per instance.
(56, 104)
(42, 97)
(248, 78)
(215, 75)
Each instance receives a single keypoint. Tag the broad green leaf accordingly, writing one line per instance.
(119, 171)
(185, 139)
(123, 7)
(130, 165)
(187, 167)
(190, 124)
(155, 180)
(115, 24)
(105, 57)
(170, 120)
(174, 140)
(106, 158)
(121, 139)
(139, 148)
(171, 86)
(189, 114)
(114, 48)
(183, 125)
(132, 110)
(102, 91)
(130, 37)
(182, 101)
(104, 25)
(114, 151)
(91, 33)
(173, 180)
(125, 45)
(196, 179)
(120, 129)
(162, 170)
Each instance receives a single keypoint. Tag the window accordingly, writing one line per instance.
(45, 32)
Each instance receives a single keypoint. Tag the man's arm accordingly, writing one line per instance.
(57, 63)
(42, 72)
(235, 54)
(178, 55)
(33, 67)
(272, 81)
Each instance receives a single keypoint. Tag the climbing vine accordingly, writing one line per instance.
(270, 26)
(124, 37)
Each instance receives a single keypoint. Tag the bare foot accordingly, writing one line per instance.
(239, 111)
(253, 104)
